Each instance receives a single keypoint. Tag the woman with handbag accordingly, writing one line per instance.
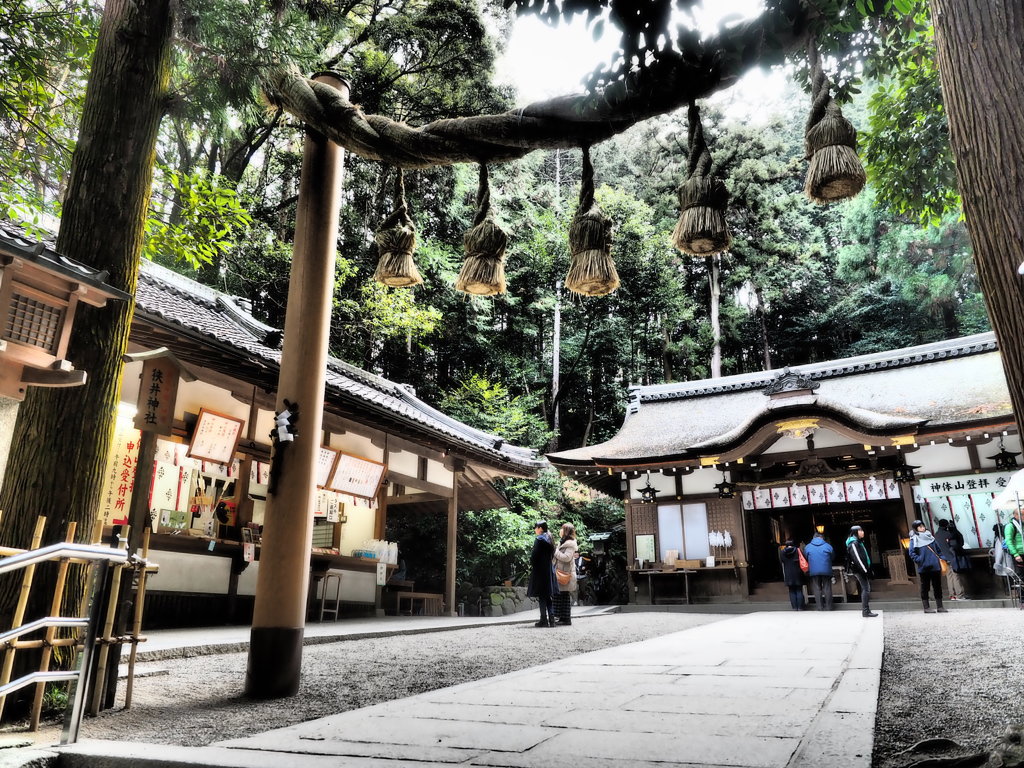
(565, 573)
(925, 554)
(794, 567)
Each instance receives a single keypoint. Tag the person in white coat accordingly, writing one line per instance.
(565, 573)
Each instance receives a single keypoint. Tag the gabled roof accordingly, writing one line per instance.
(945, 384)
(234, 342)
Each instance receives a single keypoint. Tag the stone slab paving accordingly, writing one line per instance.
(760, 690)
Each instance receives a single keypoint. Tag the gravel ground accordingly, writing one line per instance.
(957, 675)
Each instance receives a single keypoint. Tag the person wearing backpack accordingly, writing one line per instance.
(793, 564)
(819, 560)
(859, 564)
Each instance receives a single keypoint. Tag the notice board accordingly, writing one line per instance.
(356, 476)
(215, 437)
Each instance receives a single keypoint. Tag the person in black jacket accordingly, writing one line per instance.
(793, 574)
(859, 564)
(542, 583)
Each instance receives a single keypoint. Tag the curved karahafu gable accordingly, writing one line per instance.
(896, 393)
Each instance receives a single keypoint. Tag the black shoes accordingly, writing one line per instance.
(542, 623)
(564, 622)
(870, 615)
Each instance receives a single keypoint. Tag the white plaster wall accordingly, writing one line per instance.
(356, 586)
(185, 572)
(357, 529)
(8, 415)
(357, 445)
(194, 395)
(703, 480)
(936, 459)
(130, 382)
(436, 473)
(247, 579)
(664, 484)
(404, 463)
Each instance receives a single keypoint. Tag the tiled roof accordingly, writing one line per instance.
(15, 242)
(176, 301)
(943, 384)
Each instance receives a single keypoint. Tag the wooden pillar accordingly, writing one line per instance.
(275, 646)
(453, 527)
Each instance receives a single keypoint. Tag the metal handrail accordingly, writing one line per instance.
(43, 623)
(62, 550)
(38, 677)
(100, 558)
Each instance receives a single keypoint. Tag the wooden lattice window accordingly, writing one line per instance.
(33, 322)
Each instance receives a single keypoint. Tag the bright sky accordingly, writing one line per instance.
(543, 61)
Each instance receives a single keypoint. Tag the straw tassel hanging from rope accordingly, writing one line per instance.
(483, 271)
(396, 241)
(703, 199)
(591, 269)
(830, 141)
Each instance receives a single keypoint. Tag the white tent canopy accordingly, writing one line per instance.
(1012, 496)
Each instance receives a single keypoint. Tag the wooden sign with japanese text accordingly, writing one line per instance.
(356, 476)
(158, 390)
(215, 437)
(324, 465)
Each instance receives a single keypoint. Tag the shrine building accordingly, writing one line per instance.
(717, 474)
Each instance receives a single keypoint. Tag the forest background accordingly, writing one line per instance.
(801, 283)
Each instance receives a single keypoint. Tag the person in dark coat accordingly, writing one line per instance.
(925, 554)
(792, 574)
(542, 583)
(859, 564)
(819, 559)
(951, 549)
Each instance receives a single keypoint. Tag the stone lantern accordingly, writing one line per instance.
(39, 293)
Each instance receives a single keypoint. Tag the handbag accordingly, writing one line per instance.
(803, 560)
(563, 577)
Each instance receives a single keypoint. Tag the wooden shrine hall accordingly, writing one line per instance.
(717, 473)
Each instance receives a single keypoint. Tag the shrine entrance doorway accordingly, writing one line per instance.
(883, 522)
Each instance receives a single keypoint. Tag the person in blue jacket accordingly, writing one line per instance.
(819, 560)
(927, 557)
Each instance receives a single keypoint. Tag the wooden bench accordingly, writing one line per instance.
(429, 603)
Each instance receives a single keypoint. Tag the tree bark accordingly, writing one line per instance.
(62, 437)
(980, 59)
(716, 321)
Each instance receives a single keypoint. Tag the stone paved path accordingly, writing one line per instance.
(763, 689)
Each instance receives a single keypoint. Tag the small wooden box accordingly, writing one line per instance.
(689, 564)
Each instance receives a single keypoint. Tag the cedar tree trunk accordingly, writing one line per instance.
(980, 59)
(63, 436)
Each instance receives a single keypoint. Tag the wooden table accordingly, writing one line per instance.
(650, 573)
(430, 603)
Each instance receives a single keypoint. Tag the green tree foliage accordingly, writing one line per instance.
(207, 221)
(491, 407)
(906, 141)
(44, 51)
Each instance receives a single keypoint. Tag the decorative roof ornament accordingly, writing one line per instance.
(791, 381)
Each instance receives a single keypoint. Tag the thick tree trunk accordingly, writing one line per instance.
(980, 63)
(62, 436)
